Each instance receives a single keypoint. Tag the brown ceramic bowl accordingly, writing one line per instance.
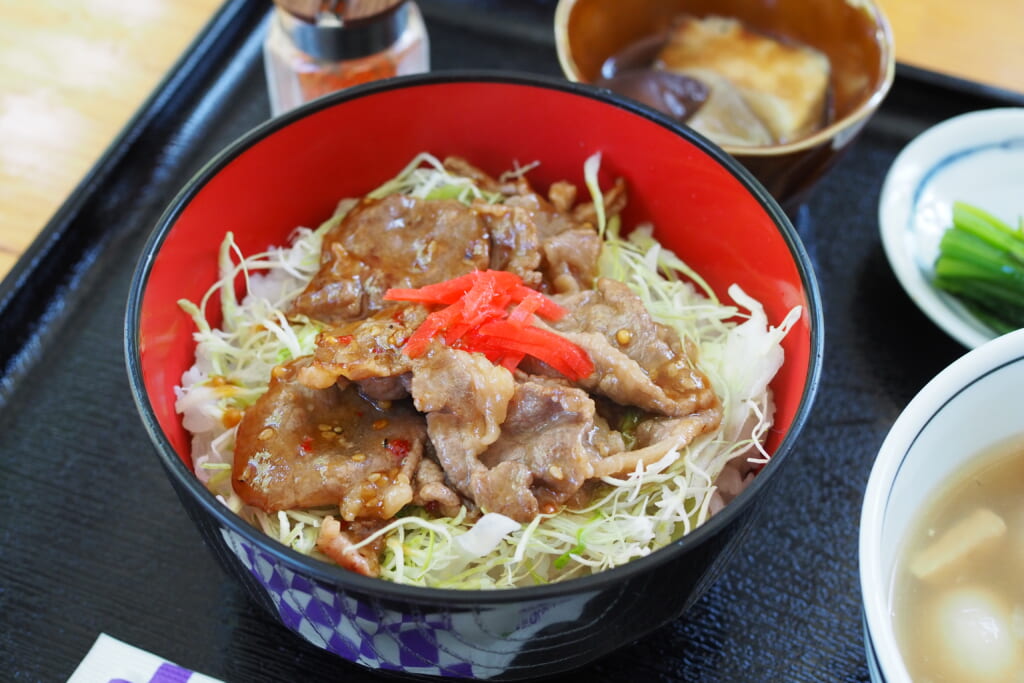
(853, 34)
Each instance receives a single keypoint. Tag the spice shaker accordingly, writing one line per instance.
(314, 47)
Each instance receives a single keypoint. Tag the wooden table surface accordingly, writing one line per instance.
(73, 73)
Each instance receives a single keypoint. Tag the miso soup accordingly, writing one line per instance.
(958, 594)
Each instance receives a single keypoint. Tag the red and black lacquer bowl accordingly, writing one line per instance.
(292, 170)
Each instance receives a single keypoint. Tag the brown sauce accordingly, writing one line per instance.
(632, 72)
(697, 83)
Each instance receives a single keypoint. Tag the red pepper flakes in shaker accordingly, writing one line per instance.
(315, 47)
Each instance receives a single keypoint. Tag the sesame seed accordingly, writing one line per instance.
(556, 472)
(379, 424)
(231, 417)
(358, 457)
(267, 433)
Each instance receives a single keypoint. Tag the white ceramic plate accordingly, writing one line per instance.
(977, 158)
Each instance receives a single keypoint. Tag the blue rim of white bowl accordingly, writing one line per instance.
(969, 148)
(927, 405)
(455, 597)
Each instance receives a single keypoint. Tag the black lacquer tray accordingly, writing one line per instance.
(93, 539)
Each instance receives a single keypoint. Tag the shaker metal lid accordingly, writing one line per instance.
(339, 29)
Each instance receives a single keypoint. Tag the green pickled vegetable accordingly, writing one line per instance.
(981, 263)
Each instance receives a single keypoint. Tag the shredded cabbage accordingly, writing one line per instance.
(738, 350)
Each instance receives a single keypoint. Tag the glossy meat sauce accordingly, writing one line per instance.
(362, 426)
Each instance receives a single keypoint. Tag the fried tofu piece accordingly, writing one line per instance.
(784, 84)
(965, 539)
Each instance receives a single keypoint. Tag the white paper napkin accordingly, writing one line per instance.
(111, 661)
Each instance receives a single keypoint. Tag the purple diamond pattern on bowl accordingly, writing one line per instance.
(474, 643)
(350, 628)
